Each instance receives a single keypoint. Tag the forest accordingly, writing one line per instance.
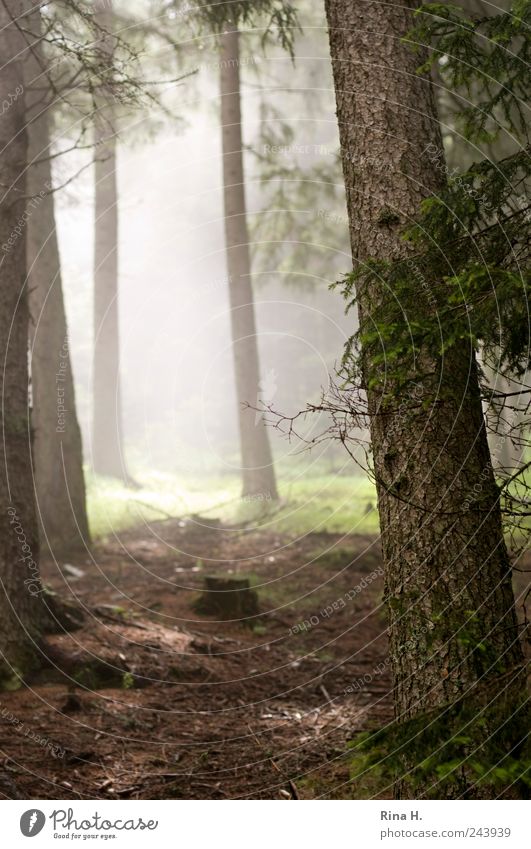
(265, 466)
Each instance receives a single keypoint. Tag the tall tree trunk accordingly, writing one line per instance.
(452, 623)
(107, 443)
(57, 447)
(257, 463)
(19, 545)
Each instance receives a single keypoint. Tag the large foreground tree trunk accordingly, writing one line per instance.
(452, 624)
(256, 459)
(107, 443)
(19, 545)
(57, 447)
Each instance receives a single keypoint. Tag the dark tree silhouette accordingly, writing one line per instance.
(19, 543)
(258, 474)
(57, 447)
(107, 438)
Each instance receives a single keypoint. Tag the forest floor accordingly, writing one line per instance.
(147, 699)
(150, 700)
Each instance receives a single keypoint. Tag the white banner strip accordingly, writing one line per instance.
(255, 825)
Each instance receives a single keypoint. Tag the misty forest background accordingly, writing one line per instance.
(178, 397)
(258, 495)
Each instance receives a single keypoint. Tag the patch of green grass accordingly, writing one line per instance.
(322, 502)
(113, 507)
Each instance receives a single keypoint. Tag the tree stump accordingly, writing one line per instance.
(227, 598)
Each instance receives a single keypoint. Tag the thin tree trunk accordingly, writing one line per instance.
(57, 447)
(257, 463)
(107, 442)
(507, 433)
(449, 597)
(19, 545)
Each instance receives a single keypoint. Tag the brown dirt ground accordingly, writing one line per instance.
(149, 700)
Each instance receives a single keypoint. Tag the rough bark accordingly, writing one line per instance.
(107, 441)
(258, 476)
(57, 446)
(20, 586)
(448, 590)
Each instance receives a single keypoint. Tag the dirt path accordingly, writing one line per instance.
(150, 700)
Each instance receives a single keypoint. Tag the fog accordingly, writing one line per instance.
(179, 405)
